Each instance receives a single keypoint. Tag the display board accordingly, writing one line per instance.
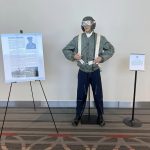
(137, 62)
(23, 57)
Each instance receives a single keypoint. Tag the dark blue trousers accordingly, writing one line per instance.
(84, 80)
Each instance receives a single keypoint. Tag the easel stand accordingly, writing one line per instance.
(89, 119)
(132, 122)
(50, 112)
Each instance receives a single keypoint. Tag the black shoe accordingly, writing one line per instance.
(100, 121)
(76, 121)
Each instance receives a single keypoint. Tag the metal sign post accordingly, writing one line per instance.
(136, 64)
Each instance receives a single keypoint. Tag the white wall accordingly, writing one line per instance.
(125, 23)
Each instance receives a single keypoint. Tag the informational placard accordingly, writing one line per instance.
(23, 57)
(137, 62)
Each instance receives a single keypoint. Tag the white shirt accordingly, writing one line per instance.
(89, 34)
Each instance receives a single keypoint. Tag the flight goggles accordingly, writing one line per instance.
(87, 23)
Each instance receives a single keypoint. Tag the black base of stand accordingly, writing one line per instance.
(132, 123)
(86, 119)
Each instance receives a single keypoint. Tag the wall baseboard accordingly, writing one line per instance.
(58, 104)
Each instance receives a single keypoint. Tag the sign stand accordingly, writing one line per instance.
(136, 63)
(89, 119)
(50, 112)
(132, 122)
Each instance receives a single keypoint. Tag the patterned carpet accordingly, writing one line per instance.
(26, 129)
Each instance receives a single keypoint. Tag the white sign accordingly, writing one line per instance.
(23, 57)
(137, 62)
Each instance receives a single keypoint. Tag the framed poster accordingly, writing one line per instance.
(23, 57)
(137, 62)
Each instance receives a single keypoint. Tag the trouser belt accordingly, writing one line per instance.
(88, 63)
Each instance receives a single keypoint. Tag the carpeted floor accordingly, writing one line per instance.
(26, 129)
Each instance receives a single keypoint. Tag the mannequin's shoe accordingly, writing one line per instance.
(76, 121)
(100, 121)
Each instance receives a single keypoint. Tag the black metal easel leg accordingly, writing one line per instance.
(89, 119)
(32, 96)
(49, 108)
(131, 122)
(5, 111)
